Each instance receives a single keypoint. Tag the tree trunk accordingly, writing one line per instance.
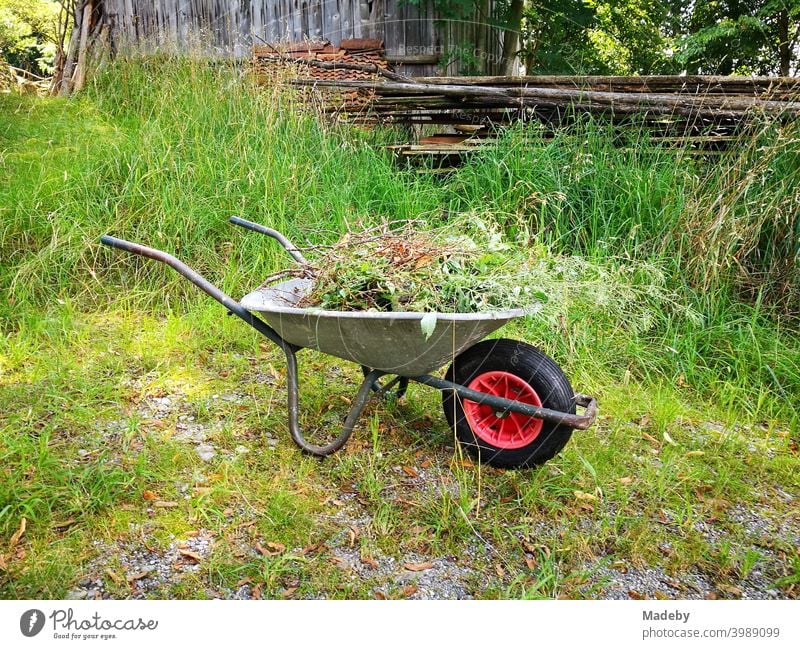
(69, 59)
(511, 36)
(481, 34)
(784, 51)
(80, 72)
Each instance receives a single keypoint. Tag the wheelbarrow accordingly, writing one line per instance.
(508, 403)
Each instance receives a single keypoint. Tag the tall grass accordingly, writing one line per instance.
(162, 151)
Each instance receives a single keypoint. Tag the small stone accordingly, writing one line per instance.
(76, 593)
(206, 452)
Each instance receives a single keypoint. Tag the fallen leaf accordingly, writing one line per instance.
(533, 549)
(695, 454)
(201, 491)
(633, 594)
(135, 576)
(310, 549)
(340, 563)
(499, 570)
(23, 524)
(410, 472)
(369, 561)
(409, 590)
(149, 495)
(354, 532)
(288, 592)
(731, 590)
(417, 567)
(165, 503)
(191, 555)
(660, 594)
(717, 503)
(271, 550)
(114, 576)
(379, 595)
(530, 562)
(668, 438)
(626, 480)
(650, 438)
(244, 581)
(425, 464)
(62, 525)
(255, 593)
(582, 495)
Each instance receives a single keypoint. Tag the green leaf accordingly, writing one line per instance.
(428, 324)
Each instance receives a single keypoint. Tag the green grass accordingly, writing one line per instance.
(650, 256)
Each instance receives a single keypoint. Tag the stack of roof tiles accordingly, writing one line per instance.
(271, 61)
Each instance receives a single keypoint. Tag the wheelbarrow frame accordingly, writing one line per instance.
(369, 386)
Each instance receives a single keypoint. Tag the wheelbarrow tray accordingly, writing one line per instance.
(392, 342)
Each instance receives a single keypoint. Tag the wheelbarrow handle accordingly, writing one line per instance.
(201, 282)
(281, 239)
(262, 327)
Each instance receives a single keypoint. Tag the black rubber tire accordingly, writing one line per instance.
(533, 366)
(398, 392)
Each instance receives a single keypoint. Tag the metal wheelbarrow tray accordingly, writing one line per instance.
(509, 404)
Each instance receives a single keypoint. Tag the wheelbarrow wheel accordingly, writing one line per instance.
(397, 392)
(513, 370)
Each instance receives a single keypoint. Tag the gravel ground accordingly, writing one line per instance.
(146, 571)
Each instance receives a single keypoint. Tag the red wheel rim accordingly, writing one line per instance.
(510, 430)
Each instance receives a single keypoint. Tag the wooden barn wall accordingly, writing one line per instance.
(229, 27)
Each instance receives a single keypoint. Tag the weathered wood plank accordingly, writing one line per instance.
(231, 26)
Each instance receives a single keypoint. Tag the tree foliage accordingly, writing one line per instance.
(747, 37)
(662, 36)
(645, 36)
(28, 32)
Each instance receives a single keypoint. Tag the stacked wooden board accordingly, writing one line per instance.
(435, 99)
(705, 111)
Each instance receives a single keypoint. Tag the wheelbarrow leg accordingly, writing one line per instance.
(359, 403)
